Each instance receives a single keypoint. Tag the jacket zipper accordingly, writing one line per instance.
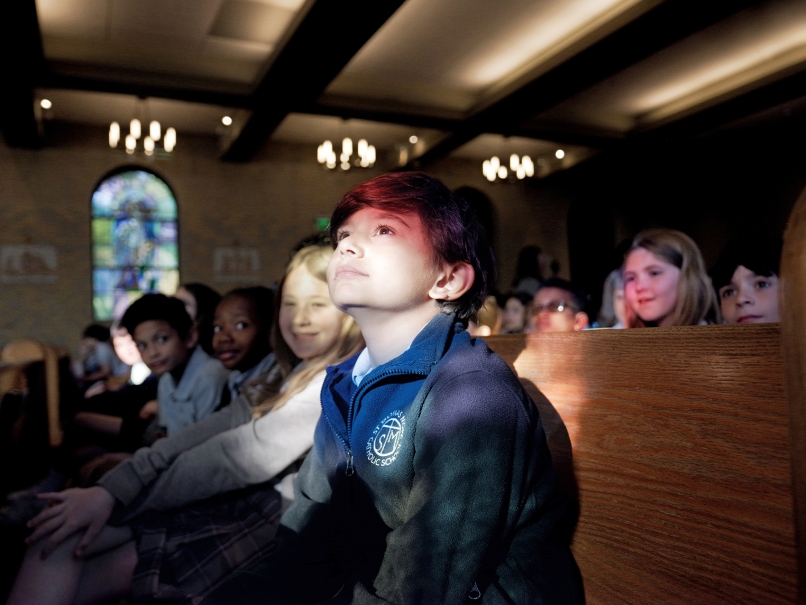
(350, 470)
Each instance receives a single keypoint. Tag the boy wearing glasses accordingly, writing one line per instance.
(558, 307)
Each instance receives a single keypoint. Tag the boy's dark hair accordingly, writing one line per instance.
(761, 255)
(157, 307)
(96, 331)
(450, 224)
(579, 297)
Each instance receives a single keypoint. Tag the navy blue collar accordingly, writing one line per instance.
(426, 350)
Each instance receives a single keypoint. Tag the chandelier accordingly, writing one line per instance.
(365, 154)
(153, 141)
(519, 168)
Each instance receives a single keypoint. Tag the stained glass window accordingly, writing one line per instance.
(134, 241)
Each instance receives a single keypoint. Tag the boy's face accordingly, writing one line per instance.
(383, 261)
(749, 298)
(546, 316)
(161, 347)
(88, 344)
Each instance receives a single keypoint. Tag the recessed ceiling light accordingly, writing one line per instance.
(226, 120)
(559, 154)
(413, 139)
(45, 104)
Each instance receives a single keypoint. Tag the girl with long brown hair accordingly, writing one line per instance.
(666, 283)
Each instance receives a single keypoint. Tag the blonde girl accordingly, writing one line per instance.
(666, 283)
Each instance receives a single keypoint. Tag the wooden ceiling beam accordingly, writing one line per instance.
(415, 120)
(328, 36)
(750, 103)
(191, 95)
(649, 33)
(22, 59)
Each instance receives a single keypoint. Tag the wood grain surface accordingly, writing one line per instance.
(679, 442)
(792, 299)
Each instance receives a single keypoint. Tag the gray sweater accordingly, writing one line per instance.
(197, 394)
(225, 451)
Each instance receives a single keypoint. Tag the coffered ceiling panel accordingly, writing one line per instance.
(74, 18)
(204, 42)
(451, 54)
(747, 50)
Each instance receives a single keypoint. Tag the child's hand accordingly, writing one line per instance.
(149, 410)
(96, 389)
(71, 511)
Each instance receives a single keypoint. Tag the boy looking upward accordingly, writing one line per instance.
(430, 481)
(191, 382)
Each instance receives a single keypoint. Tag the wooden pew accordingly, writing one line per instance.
(24, 351)
(679, 442)
(793, 323)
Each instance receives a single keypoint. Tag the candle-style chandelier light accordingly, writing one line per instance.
(519, 168)
(365, 154)
(153, 141)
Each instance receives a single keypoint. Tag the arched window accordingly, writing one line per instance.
(134, 240)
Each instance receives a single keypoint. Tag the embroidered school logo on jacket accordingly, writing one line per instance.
(383, 446)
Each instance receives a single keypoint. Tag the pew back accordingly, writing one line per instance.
(679, 438)
(26, 350)
(792, 301)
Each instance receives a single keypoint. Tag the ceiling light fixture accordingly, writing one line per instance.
(413, 139)
(150, 141)
(519, 168)
(365, 154)
(45, 104)
(226, 121)
(559, 154)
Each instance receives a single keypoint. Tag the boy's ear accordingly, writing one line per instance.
(453, 281)
(581, 320)
(192, 338)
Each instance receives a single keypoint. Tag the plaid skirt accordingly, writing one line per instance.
(185, 554)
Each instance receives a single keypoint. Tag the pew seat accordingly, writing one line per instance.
(675, 443)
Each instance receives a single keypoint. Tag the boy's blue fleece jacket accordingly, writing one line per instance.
(430, 483)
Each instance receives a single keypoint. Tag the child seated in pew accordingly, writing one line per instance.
(129, 367)
(197, 505)
(191, 382)
(486, 321)
(665, 282)
(430, 480)
(612, 312)
(746, 280)
(98, 359)
(241, 326)
(515, 312)
(558, 306)
(128, 353)
(200, 303)
(185, 385)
